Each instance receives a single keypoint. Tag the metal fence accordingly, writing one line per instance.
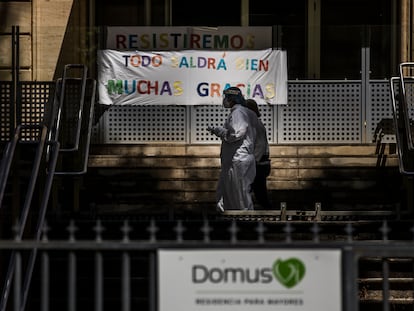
(107, 264)
(318, 112)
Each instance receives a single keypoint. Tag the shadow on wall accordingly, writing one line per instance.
(79, 42)
(3, 18)
(126, 191)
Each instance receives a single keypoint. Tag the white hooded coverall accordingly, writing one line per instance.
(238, 168)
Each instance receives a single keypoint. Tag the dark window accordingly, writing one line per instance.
(212, 13)
(346, 27)
(288, 19)
(158, 13)
(120, 13)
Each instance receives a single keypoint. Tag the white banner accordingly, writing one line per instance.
(165, 38)
(190, 77)
(250, 279)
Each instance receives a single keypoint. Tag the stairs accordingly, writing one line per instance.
(171, 180)
(399, 282)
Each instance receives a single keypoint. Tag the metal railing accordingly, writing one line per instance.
(402, 97)
(36, 178)
(46, 137)
(317, 214)
(73, 272)
(75, 99)
(315, 112)
(9, 158)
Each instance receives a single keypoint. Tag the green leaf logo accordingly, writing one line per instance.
(289, 272)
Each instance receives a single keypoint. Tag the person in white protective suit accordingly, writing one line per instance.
(238, 168)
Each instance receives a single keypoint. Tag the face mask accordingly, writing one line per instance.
(226, 103)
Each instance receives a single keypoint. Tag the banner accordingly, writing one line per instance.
(249, 279)
(190, 77)
(165, 38)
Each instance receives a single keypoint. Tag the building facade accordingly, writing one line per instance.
(343, 51)
(323, 38)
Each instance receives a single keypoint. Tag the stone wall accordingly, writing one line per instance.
(42, 25)
(170, 178)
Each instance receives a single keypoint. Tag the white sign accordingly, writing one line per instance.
(166, 38)
(249, 280)
(190, 77)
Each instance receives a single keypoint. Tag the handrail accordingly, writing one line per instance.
(8, 158)
(404, 106)
(86, 106)
(7, 161)
(81, 103)
(27, 203)
(85, 153)
(39, 226)
(48, 148)
(399, 140)
(40, 221)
